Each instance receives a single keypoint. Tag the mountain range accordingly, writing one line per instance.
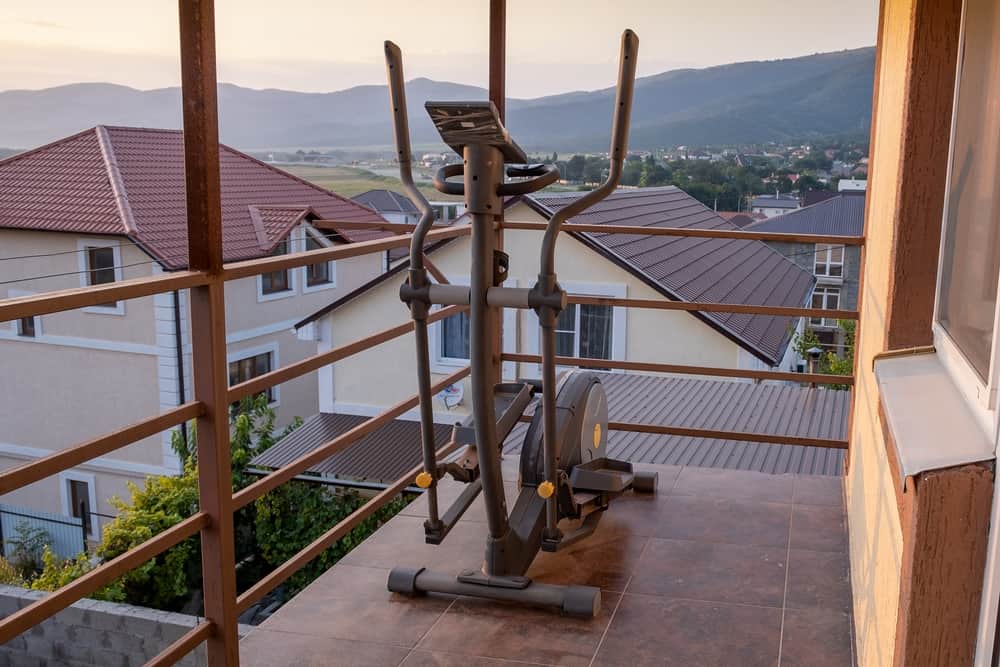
(751, 102)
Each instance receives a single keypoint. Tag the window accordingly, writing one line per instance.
(101, 269)
(584, 331)
(829, 260)
(248, 368)
(970, 253)
(276, 282)
(26, 327)
(317, 274)
(79, 502)
(455, 337)
(827, 298)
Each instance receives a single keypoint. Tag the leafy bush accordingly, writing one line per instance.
(27, 547)
(57, 572)
(9, 575)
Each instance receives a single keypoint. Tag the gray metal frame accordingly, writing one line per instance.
(513, 539)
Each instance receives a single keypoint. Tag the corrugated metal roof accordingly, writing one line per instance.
(387, 454)
(838, 215)
(783, 409)
(383, 456)
(386, 201)
(698, 269)
(67, 186)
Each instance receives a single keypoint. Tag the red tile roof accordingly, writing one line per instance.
(130, 182)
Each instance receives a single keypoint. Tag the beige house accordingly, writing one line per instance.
(108, 205)
(709, 270)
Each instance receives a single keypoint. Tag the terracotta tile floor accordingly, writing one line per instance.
(721, 568)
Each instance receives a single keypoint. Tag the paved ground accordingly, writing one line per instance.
(723, 567)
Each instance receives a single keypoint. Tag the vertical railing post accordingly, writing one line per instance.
(208, 324)
(498, 95)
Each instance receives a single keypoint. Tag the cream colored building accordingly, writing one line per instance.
(368, 382)
(71, 376)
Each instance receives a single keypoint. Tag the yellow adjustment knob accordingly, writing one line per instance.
(424, 480)
(546, 489)
(597, 436)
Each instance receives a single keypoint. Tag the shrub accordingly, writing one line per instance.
(57, 572)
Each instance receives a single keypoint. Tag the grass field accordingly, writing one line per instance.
(350, 181)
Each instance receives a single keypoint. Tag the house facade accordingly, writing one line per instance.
(836, 267)
(656, 268)
(140, 349)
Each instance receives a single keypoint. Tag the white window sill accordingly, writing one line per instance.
(931, 423)
(275, 296)
(829, 280)
(319, 287)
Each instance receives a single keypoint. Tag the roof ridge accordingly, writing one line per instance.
(115, 178)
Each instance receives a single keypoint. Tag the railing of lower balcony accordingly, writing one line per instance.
(212, 396)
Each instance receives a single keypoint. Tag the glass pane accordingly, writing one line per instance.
(316, 274)
(102, 265)
(26, 327)
(817, 300)
(971, 258)
(595, 332)
(833, 299)
(837, 254)
(567, 319)
(564, 343)
(836, 270)
(455, 337)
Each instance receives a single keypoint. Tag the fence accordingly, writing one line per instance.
(66, 536)
(205, 278)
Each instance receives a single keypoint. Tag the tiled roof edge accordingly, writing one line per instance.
(115, 178)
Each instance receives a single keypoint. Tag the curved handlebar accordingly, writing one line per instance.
(401, 126)
(619, 148)
(548, 176)
(441, 180)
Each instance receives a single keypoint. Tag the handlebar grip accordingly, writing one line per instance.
(548, 177)
(441, 183)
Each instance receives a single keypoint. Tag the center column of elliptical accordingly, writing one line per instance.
(483, 174)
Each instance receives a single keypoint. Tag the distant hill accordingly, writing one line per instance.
(818, 95)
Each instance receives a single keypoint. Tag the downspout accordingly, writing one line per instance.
(178, 341)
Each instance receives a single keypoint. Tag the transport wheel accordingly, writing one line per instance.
(644, 481)
(582, 601)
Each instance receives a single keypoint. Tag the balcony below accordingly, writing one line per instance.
(722, 567)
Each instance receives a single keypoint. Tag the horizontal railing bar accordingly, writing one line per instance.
(253, 267)
(56, 462)
(95, 295)
(324, 541)
(317, 361)
(22, 620)
(374, 226)
(326, 450)
(615, 364)
(184, 644)
(662, 304)
(742, 234)
(712, 434)
(768, 438)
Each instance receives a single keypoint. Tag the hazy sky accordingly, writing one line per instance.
(553, 46)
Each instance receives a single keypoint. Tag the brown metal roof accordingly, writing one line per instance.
(383, 456)
(636, 398)
(837, 215)
(387, 201)
(697, 269)
(130, 182)
(771, 408)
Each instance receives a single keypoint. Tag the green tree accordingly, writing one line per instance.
(58, 572)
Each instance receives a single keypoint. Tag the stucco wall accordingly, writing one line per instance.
(875, 534)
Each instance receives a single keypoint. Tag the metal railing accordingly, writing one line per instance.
(205, 279)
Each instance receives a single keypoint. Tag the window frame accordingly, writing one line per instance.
(290, 273)
(619, 323)
(309, 232)
(439, 362)
(826, 322)
(67, 476)
(828, 249)
(15, 325)
(250, 352)
(83, 259)
(980, 394)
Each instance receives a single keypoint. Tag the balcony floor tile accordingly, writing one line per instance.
(721, 567)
